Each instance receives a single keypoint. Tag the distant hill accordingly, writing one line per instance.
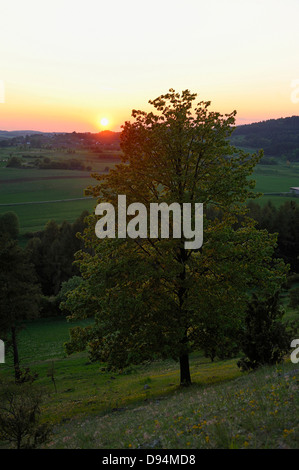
(12, 134)
(277, 137)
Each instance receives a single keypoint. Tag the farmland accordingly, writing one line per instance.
(19, 186)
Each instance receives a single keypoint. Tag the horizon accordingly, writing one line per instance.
(65, 68)
(119, 131)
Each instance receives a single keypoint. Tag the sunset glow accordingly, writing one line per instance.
(104, 122)
(59, 69)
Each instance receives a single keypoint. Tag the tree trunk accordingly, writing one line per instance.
(15, 354)
(185, 370)
(184, 356)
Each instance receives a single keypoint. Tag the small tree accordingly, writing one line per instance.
(265, 339)
(9, 224)
(20, 415)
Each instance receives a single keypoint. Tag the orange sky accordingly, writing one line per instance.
(64, 65)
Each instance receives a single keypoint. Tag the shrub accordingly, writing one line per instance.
(265, 339)
(20, 416)
(294, 298)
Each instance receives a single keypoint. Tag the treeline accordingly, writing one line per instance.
(108, 140)
(51, 254)
(52, 250)
(285, 221)
(47, 164)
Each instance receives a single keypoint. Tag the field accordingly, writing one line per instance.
(45, 187)
(276, 179)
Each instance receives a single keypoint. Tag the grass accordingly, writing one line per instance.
(88, 388)
(34, 185)
(34, 217)
(258, 410)
(276, 179)
(143, 406)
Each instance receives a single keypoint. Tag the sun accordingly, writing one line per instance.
(104, 122)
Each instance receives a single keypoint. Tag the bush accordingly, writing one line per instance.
(14, 162)
(265, 339)
(294, 298)
(20, 416)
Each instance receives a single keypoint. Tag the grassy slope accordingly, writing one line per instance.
(144, 405)
(85, 387)
(258, 410)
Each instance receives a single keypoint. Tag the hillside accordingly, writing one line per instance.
(278, 138)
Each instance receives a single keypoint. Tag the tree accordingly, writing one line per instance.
(52, 253)
(66, 287)
(9, 224)
(149, 295)
(14, 162)
(265, 339)
(19, 294)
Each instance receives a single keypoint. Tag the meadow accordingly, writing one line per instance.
(144, 407)
(43, 188)
(276, 179)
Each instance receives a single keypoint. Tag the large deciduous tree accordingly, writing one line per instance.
(151, 296)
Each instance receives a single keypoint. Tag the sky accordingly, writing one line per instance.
(67, 64)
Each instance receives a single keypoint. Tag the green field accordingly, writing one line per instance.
(20, 186)
(276, 179)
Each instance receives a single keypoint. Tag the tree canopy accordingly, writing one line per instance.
(152, 297)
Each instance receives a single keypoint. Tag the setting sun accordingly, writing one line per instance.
(104, 122)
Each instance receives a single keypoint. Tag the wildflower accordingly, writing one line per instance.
(286, 432)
